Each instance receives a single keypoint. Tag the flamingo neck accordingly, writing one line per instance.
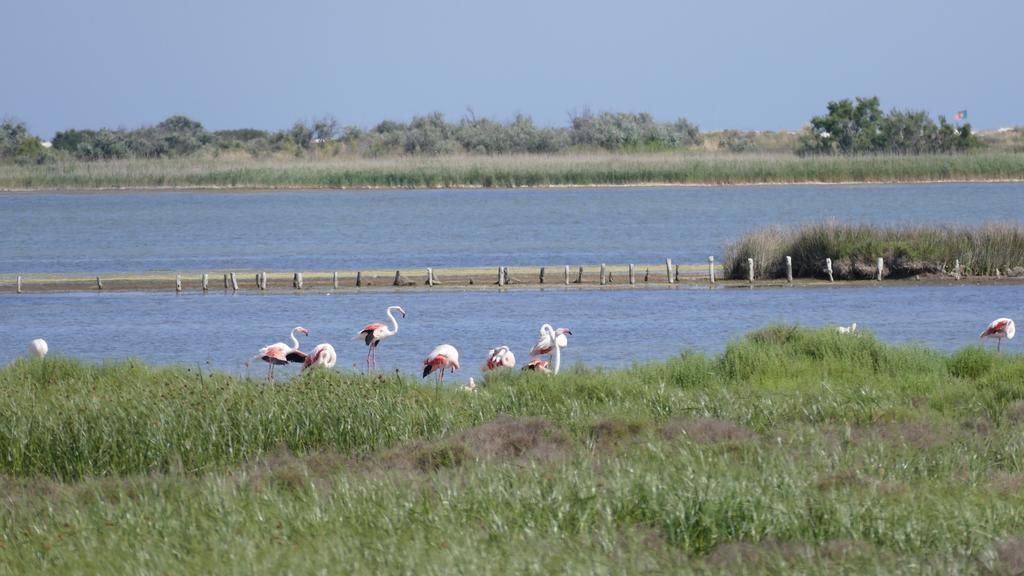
(394, 321)
(295, 341)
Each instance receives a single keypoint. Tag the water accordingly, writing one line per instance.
(611, 328)
(330, 230)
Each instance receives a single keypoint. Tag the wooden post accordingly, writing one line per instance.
(398, 278)
(668, 269)
(956, 270)
(504, 272)
(19, 284)
(604, 274)
(501, 277)
(225, 282)
(677, 273)
(647, 274)
(359, 279)
(263, 280)
(541, 274)
(711, 269)
(567, 275)
(206, 282)
(750, 270)
(430, 276)
(297, 281)
(632, 275)
(99, 283)
(828, 269)
(579, 277)
(177, 283)
(234, 282)
(335, 280)
(881, 268)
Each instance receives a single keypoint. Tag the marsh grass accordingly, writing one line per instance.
(508, 171)
(855, 249)
(795, 450)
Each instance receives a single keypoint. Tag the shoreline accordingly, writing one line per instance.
(370, 188)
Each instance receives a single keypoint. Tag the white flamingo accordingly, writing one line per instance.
(38, 348)
(279, 353)
(322, 356)
(373, 334)
(442, 357)
(551, 342)
(1000, 328)
(500, 357)
(847, 329)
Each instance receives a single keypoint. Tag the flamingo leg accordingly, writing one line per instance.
(999, 342)
(368, 353)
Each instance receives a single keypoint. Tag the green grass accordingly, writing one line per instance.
(571, 169)
(794, 450)
(855, 249)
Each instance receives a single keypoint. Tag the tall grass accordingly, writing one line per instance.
(794, 450)
(854, 250)
(597, 168)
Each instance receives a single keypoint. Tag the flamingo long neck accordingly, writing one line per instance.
(556, 352)
(394, 321)
(295, 341)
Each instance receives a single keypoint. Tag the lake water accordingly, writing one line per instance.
(331, 230)
(611, 328)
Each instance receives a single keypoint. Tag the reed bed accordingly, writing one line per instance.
(794, 450)
(855, 248)
(570, 169)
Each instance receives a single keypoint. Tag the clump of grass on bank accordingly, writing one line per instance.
(794, 450)
(569, 169)
(855, 249)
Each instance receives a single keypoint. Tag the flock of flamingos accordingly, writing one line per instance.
(445, 357)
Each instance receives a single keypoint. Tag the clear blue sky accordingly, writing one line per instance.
(747, 64)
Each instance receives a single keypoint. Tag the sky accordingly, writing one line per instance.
(742, 64)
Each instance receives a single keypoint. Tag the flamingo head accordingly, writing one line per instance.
(564, 331)
(302, 330)
(401, 311)
(454, 364)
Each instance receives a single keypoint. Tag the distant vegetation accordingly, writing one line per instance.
(855, 249)
(793, 451)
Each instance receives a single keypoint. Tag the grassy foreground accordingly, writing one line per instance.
(570, 169)
(855, 249)
(794, 450)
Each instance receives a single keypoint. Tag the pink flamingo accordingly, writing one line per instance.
(444, 356)
(1000, 328)
(321, 356)
(551, 342)
(279, 353)
(500, 357)
(538, 365)
(372, 334)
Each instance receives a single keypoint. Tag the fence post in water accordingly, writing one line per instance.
(501, 277)
(668, 269)
(206, 281)
(430, 276)
(579, 277)
(335, 280)
(19, 284)
(225, 282)
(234, 282)
(297, 281)
(632, 275)
(263, 280)
(359, 279)
(604, 274)
(956, 270)
(789, 269)
(677, 273)
(566, 275)
(647, 274)
(711, 269)
(828, 269)
(398, 278)
(504, 272)
(99, 283)
(177, 283)
(541, 274)
(881, 267)
(750, 270)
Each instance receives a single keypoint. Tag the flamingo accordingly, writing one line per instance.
(471, 387)
(1000, 328)
(444, 356)
(500, 357)
(323, 355)
(551, 342)
(538, 365)
(847, 329)
(38, 348)
(279, 353)
(543, 345)
(372, 334)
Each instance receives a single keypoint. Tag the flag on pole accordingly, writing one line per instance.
(960, 115)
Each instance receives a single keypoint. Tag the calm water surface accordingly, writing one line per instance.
(330, 230)
(611, 328)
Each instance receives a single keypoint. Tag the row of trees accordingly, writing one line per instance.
(861, 127)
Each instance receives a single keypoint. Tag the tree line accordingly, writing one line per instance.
(848, 127)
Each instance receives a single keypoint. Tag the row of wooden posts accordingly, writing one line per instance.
(504, 279)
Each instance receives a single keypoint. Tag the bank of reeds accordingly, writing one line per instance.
(795, 450)
(855, 249)
(571, 169)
